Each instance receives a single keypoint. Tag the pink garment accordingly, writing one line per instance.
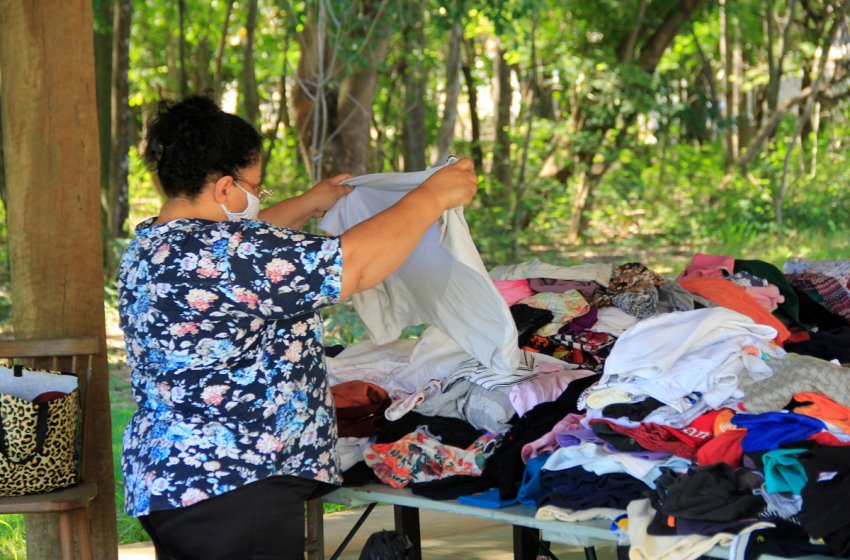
(544, 388)
(548, 442)
(703, 264)
(513, 290)
(768, 296)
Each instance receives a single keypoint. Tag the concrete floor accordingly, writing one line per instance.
(444, 537)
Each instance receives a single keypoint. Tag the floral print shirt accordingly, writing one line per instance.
(224, 342)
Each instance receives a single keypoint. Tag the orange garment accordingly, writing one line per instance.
(725, 293)
(360, 407)
(823, 408)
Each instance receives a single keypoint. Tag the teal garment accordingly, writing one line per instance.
(766, 271)
(783, 471)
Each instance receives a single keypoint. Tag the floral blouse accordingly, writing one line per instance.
(225, 345)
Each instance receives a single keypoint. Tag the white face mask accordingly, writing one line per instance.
(251, 210)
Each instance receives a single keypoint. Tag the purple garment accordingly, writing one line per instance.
(586, 289)
(579, 436)
(581, 323)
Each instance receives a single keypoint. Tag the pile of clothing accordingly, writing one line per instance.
(712, 409)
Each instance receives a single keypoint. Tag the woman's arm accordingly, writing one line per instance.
(294, 212)
(375, 248)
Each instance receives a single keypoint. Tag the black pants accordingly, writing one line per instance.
(263, 520)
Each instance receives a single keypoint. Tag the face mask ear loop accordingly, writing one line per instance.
(252, 209)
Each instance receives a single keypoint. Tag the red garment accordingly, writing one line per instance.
(732, 296)
(826, 438)
(703, 264)
(725, 448)
(360, 408)
(654, 437)
(698, 432)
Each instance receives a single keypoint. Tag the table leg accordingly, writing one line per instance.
(526, 543)
(407, 524)
(315, 540)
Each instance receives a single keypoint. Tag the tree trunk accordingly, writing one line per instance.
(449, 118)
(103, 77)
(52, 170)
(727, 47)
(822, 81)
(282, 119)
(250, 98)
(587, 176)
(472, 99)
(502, 149)
(181, 17)
(333, 104)
(3, 198)
(413, 135)
(219, 53)
(585, 187)
(117, 195)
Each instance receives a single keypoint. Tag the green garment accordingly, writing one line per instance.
(791, 306)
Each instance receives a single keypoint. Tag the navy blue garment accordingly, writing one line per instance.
(577, 488)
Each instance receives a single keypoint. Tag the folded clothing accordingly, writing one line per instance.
(710, 493)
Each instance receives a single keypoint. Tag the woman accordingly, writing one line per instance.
(218, 302)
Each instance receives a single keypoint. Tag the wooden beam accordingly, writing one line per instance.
(50, 140)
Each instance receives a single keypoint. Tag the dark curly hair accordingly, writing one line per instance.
(193, 141)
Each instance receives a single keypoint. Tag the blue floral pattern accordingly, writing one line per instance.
(224, 341)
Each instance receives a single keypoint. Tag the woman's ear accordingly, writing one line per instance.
(222, 189)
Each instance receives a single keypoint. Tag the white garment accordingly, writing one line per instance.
(673, 355)
(643, 465)
(550, 512)
(408, 365)
(443, 283)
(594, 272)
(612, 320)
(404, 365)
(351, 450)
(648, 547)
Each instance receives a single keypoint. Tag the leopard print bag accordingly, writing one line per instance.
(37, 439)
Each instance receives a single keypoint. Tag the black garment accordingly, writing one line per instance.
(621, 442)
(826, 496)
(451, 487)
(711, 493)
(815, 313)
(636, 411)
(334, 350)
(827, 345)
(505, 467)
(528, 319)
(786, 540)
(450, 431)
(358, 475)
(263, 520)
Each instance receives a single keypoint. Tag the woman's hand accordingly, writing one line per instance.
(454, 185)
(324, 194)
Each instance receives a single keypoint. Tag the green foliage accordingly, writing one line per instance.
(12, 544)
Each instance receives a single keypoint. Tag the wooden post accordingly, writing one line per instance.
(50, 140)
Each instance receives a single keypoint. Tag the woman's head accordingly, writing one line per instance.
(193, 142)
